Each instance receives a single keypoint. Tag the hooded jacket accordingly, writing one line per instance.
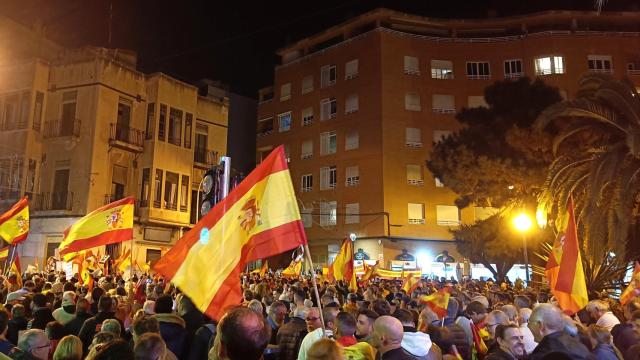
(416, 343)
(93, 326)
(173, 332)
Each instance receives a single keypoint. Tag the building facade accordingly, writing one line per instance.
(82, 128)
(359, 106)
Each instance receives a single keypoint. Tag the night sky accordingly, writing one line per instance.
(234, 41)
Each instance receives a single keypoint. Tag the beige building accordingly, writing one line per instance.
(359, 106)
(81, 128)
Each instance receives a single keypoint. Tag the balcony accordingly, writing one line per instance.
(13, 125)
(52, 201)
(513, 75)
(415, 182)
(204, 159)
(61, 128)
(633, 72)
(126, 138)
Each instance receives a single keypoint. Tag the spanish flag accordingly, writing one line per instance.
(293, 270)
(342, 266)
(633, 289)
(438, 302)
(14, 224)
(262, 271)
(15, 269)
(410, 283)
(110, 224)
(258, 219)
(564, 269)
(4, 253)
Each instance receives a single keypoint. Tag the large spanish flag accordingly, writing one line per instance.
(410, 283)
(259, 218)
(110, 224)
(14, 224)
(293, 270)
(342, 266)
(564, 269)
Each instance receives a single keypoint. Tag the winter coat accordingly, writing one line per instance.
(416, 343)
(92, 326)
(562, 342)
(173, 332)
(73, 327)
(15, 326)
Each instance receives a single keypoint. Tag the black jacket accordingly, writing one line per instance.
(397, 354)
(73, 327)
(499, 354)
(92, 326)
(560, 342)
(201, 342)
(15, 326)
(41, 318)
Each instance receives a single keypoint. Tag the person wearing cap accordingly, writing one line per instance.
(67, 312)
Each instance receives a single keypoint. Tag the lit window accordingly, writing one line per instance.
(444, 104)
(328, 177)
(414, 175)
(284, 122)
(328, 213)
(413, 137)
(549, 65)
(447, 215)
(352, 176)
(412, 101)
(351, 70)
(411, 65)
(416, 213)
(328, 109)
(441, 69)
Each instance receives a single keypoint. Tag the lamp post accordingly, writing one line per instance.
(523, 223)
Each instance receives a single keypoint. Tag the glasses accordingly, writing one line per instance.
(312, 318)
(43, 346)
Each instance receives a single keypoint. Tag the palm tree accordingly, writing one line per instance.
(597, 159)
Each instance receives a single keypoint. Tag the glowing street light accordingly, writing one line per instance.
(523, 223)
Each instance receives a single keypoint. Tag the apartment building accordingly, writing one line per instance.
(359, 106)
(81, 128)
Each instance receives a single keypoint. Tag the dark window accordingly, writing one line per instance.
(68, 113)
(151, 117)
(37, 111)
(60, 190)
(175, 126)
(157, 201)
(188, 125)
(171, 191)
(124, 119)
(153, 256)
(145, 190)
(162, 124)
(184, 193)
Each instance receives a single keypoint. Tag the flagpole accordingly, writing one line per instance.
(315, 288)
(131, 261)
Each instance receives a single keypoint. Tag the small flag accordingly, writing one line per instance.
(14, 224)
(110, 224)
(4, 253)
(633, 289)
(479, 348)
(258, 219)
(342, 266)
(410, 283)
(564, 269)
(438, 302)
(293, 270)
(15, 268)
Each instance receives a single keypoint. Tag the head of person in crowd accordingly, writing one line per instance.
(364, 323)
(164, 304)
(631, 307)
(149, 307)
(29, 285)
(597, 308)
(598, 335)
(116, 349)
(39, 301)
(427, 317)
(144, 325)
(299, 297)
(522, 301)
(523, 315)
(510, 340)
(495, 318)
(112, 326)
(105, 304)
(344, 325)
(247, 295)
(69, 348)
(381, 307)
(17, 311)
(185, 305)
(387, 334)
(325, 349)
(256, 306)
(326, 299)
(82, 306)
(313, 319)
(329, 314)
(243, 335)
(512, 312)
(36, 343)
(96, 293)
(150, 347)
(54, 330)
(278, 312)
(544, 320)
(476, 311)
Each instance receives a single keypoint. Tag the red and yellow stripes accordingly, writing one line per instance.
(342, 266)
(565, 272)
(438, 302)
(14, 224)
(110, 224)
(258, 219)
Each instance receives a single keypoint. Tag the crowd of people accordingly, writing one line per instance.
(51, 317)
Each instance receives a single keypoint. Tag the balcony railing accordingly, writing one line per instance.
(59, 128)
(203, 158)
(415, 182)
(632, 72)
(513, 75)
(126, 137)
(416, 221)
(12, 194)
(14, 125)
(52, 201)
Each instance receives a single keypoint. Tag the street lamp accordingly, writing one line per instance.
(523, 223)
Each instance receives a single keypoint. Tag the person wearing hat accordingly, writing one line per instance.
(14, 298)
(67, 312)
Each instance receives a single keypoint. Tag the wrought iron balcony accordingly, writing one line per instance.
(60, 128)
(126, 138)
(52, 201)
